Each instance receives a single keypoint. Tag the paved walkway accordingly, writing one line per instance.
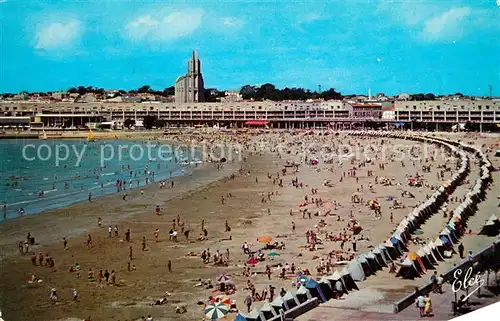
(334, 309)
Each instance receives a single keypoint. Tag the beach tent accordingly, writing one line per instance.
(371, 259)
(379, 256)
(491, 228)
(326, 288)
(290, 301)
(277, 304)
(425, 260)
(254, 315)
(430, 255)
(391, 251)
(313, 286)
(435, 251)
(240, 317)
(348, 280)
(356, 271)
(334, 278)
(407, 269)
(303, 294)
(367, 269)
(419, 266)
(385, 253)
(267, 311)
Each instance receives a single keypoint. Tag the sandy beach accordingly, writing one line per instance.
(338, 192)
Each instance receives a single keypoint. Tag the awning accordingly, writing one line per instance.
(256, 122)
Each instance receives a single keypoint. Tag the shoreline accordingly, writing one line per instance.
(199, 178)
(34, 209)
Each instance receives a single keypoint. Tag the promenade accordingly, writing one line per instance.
(441, 303)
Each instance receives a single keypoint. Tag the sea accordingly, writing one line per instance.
(37, 175)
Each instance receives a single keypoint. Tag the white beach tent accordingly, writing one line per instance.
(430, 254)
(267, 311)
(290, 300)
(303, 294)
(356, 270)
(277, 304)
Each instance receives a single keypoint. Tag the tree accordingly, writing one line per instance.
(429, 96)
(248, 92)
(149, 122)
(144, 89)
(331, 94)
(418, 97)
(169, 91)
(129, 123)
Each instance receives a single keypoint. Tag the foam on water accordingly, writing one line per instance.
(22, 180)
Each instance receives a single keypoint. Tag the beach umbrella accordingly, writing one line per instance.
(302, 279)
(418, 232)
(223, 278)
(216, 311)
(223, 299)
(253, 261)
(273, 254)
(265, 239)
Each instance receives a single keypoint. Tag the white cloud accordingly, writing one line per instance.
(57, 35)
(447, 25)
(168, 27)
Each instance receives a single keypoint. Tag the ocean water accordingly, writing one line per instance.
(36, 175)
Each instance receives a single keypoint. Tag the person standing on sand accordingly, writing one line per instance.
(248, 302)
(293, 227)
(144, 243)
(90, 196)
(169, 265)
(116, 230)
(158, 209)
(156, 235)
(99, 277)
(354, 244)
(113, 277)
(106, 276)
(110, 229)
(461, 250)
(130, 253)
(127, 236)
(89, 241)
(65, 244)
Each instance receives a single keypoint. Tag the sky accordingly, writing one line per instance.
(389, 46)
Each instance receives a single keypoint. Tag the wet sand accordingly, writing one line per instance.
(198, 198)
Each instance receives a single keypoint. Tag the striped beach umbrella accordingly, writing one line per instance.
(216, 311)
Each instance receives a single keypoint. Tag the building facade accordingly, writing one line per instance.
(281, 114)
(189, 88)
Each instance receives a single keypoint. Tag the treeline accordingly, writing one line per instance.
(82, 90)
(431, 96)
(270, 92)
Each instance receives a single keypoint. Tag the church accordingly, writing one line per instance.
(189, 88)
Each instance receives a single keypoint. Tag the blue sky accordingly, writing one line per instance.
(439, 46)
